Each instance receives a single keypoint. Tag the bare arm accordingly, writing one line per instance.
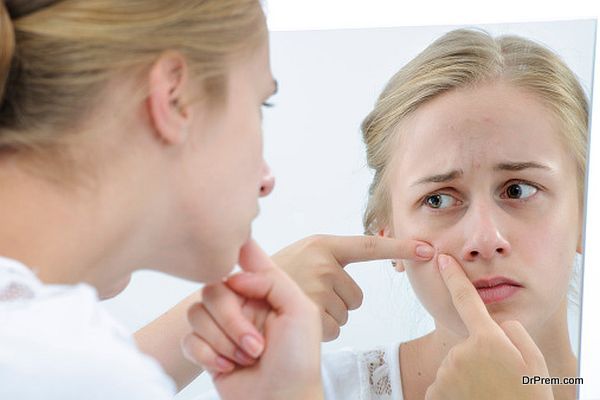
(316, 264)
(161, 339)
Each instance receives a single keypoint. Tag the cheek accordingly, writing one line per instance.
(248, 143)
(424, 277)
(548, 249)
(240, 151)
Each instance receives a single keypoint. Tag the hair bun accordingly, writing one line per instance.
(19, 8)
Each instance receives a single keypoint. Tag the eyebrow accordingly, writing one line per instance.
(510, 166)
(520, 166)
(440, 177)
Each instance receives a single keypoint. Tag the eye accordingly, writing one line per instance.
(439, 200)
(265, 104)
(519, 191)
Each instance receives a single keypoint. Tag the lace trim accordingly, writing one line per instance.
(16, 291)
(379, 373)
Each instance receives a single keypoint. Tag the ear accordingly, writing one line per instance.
(386, 232)
(168, 79)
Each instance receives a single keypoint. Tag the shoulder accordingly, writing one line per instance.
(62, 339)
(360, 374)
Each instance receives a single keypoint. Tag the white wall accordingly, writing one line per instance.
(329, 81)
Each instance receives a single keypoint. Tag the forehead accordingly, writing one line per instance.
(475, 127)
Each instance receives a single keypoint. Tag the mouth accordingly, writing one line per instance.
(496, 289)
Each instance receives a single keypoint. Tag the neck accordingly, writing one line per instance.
(428, 352)
(65, 234)
(554, 343)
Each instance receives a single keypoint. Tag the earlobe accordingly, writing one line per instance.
(167, 82)
(386, 232)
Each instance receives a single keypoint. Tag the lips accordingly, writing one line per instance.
(496, 289)
(495, 281)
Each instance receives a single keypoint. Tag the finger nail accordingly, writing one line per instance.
(242, 358)
(443, 261)
(252, 346)
(424, 251)
(224, 364)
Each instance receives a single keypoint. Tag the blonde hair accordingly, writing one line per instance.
(465, 58)
(56, 59)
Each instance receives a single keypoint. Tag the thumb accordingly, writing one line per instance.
(252, 258)
(529, 350)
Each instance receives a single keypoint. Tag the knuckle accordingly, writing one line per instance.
(320, 299)
(344, 318)
(314, 240)
(456, 360)
(356, 300)
(324, 271)
(210, 292)
(231, 322)
(331, 330)
(194, 349)
(195, 313)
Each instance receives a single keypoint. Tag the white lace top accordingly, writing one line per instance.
(58, 342)
(363, 375)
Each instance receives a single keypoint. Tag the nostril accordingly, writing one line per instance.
(474, 253)
(500, 250)
(266, 189)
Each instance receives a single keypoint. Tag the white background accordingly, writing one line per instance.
(329, 81)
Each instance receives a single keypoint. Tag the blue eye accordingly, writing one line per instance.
(268, 105)
(438, 201)
(520, 191)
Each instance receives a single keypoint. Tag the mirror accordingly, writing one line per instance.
(329, 81)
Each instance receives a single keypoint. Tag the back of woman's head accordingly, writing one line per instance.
(57, 56)
(460, 59)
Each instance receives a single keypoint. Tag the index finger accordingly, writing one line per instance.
(465, 298)
(253, 259)
(350, 249)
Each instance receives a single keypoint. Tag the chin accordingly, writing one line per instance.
(214, 269)
(115, 289)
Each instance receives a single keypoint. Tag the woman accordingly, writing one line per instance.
(507, 121)
(121, 125)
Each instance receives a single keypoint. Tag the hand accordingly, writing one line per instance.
(289, 364)
(317, 265)
(490, 364)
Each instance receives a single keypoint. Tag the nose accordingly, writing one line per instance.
(484, 238)
(267, 182)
